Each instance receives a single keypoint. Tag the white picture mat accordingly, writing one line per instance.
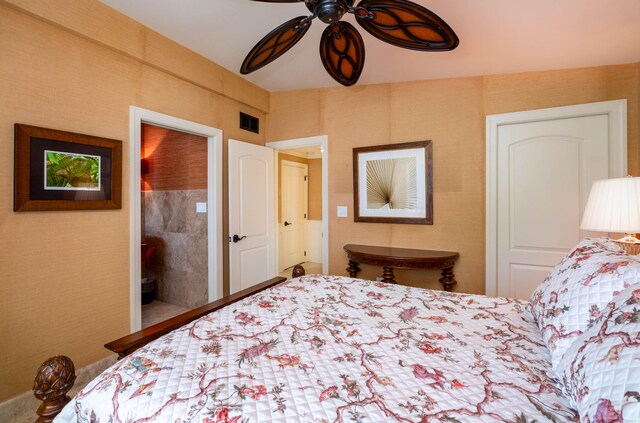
(48, 188)
(419, 155)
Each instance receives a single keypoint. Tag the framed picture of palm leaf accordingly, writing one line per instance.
(393, 183)
(58, 170)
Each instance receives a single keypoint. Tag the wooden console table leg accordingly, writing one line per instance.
(388, 276)
(353, 269)
(448, 280)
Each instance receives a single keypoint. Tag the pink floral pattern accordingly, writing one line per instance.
(571, 298)
(601, 370)
(334, 349)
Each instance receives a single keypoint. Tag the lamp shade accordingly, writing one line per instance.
(613, 206)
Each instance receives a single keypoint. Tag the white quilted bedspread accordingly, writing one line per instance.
(334, 349)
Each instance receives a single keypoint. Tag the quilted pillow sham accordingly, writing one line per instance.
(600, 372)
(572, 297)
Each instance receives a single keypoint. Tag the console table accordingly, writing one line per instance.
(402, 258)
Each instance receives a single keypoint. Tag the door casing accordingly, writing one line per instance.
(138, 116)
(617, 114)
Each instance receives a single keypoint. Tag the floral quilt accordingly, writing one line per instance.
(334, 349)
(601, 370)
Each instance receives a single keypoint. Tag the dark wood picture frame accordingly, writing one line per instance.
(427, 217)
(30, 147)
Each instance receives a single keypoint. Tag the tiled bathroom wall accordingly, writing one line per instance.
(179, 234)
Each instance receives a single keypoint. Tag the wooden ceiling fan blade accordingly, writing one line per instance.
(275, 44)
(342, 52)
(406, 24)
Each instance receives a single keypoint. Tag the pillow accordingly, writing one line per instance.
(601, 370)
(572, 297)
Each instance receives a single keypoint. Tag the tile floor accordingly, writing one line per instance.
(157, 311)
(310, 268)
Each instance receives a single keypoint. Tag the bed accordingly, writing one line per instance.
(334, 349)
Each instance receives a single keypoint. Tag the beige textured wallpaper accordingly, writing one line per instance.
(315, 189)
(451, 113)
(64, 276)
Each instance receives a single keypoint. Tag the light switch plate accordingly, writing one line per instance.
(201, 207)
(342, 211)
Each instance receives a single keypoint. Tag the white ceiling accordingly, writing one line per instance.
(310, 151)
(496, 36)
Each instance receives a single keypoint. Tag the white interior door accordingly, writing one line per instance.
(293, 203)
(252, 255)
(544, 173)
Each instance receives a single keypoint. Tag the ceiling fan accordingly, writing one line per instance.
(398, 22)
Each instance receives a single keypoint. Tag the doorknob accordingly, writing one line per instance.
(237, 238)
(287, 223)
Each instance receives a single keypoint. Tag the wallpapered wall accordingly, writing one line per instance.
(315, 189)
(65, 275)
(451, 113)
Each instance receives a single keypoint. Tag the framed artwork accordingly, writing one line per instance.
(393, 183)
(57, 170)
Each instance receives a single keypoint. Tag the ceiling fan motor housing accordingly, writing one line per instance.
(331, 11)
(401, 23)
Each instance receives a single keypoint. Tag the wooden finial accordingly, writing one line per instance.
(53, 380)
(298, 271)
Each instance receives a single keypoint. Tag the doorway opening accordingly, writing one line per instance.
(302, 217)
(176, 216)
(174, 223)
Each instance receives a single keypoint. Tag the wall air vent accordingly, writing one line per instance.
(249, 123)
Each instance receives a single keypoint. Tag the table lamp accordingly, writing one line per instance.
(614, 206)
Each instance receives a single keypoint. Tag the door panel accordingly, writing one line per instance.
(255, 260)
(548, 199)
(524, 276)
(545, 171)
(251, 215)
(253, 188)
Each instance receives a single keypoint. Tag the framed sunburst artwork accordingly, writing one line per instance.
(393, 183)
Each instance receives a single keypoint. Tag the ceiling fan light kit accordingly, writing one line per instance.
(401, 23)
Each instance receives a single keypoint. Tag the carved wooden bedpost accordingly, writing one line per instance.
(298, 271)
(53, 380)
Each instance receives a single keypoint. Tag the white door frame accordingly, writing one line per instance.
(138, 116)
(617, 112)
(323, 142)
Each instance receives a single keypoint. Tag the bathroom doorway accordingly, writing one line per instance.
(173, 212)
(176, 216)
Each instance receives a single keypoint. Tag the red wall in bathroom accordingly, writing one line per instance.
(172, 160)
